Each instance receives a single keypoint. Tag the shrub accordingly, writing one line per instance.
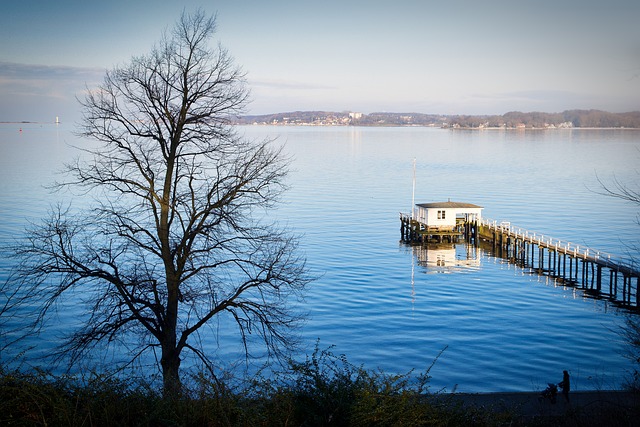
(322, 390)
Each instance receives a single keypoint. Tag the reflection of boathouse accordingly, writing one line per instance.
(441, 221)
(446, 257)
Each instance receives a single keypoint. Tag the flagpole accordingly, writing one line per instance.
(413, 195)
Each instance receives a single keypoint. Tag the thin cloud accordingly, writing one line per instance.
(289, 85)
(34, 92)
(17, 71)
(532, 100)
(45, 81)
(533, 95)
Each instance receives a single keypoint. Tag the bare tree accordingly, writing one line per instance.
(177, 235)
(621, 191)
(628, 193)
(631, 330)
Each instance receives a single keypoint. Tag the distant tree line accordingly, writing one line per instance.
(569, 118)
(513, 119)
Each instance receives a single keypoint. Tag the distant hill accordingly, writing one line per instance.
(511, 120)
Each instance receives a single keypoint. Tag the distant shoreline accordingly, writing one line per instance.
(445, 128)
(512, 120)
(460, 128)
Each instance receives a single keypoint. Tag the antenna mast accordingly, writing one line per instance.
(413, 195)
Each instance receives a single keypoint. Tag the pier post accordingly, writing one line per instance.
(475, 232)
(624, 288)
(571, 269)
(610, 281)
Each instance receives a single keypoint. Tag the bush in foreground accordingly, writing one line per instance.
(323, 390)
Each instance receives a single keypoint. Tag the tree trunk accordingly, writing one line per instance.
(170, 361)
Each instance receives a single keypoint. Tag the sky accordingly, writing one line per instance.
(445, 57)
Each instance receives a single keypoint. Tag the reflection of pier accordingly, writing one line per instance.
(598, 274)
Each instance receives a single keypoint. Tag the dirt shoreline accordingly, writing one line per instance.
(598, 407)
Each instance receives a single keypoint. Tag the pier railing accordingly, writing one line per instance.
(577, 251)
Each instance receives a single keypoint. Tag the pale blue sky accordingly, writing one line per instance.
(450, 57)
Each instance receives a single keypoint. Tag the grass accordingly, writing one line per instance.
(323, 390)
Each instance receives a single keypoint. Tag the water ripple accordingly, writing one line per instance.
(503, 328)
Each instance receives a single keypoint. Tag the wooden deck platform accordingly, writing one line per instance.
(417, 232)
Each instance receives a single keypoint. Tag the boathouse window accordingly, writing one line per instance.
(441, 214)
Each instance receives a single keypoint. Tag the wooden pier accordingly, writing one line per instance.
(596, 273)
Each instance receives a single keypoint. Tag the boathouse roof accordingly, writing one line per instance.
(449, 204)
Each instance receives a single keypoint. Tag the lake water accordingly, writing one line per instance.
(379, 301)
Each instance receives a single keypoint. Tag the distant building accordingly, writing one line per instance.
(355, 116)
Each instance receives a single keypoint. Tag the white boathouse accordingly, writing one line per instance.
(446, 216)
(439, 220)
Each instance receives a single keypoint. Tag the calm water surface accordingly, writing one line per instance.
(386, 305)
